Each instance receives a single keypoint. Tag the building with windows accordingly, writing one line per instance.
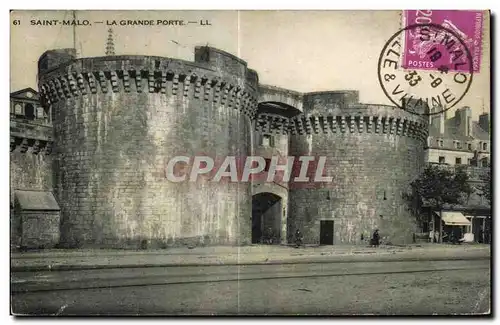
(25, 105)
(34, 212)
(460, 142)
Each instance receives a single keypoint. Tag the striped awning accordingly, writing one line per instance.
(453, 218)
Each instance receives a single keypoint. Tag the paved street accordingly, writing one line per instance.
(409, 287)
(225, 255)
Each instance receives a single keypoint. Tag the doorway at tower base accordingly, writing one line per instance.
(266, 218)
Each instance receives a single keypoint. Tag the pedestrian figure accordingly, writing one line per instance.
(270, 236)
(375, 239)
(298, 238)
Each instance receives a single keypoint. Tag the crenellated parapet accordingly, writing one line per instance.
(353, 118)
(26, 145)
(272, 124)
(194, 81)
(344, 124)
(190, 86)
(30, 137)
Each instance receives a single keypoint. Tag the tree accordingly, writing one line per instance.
(438, 186)
(485, 186)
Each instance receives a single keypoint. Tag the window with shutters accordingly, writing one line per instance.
(18, 108)
(39, 112)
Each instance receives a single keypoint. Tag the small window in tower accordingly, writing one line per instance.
(458, 161)
(484, 162)
(469, 146)
(485, 146)
(267, 140)
(271, 141)
(441, 160)
(459, 145)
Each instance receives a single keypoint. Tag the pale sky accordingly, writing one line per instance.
(298, 50)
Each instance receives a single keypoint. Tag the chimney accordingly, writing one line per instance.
(463, 120)
(484, 122)
(442, 118)
(437, 121)
(431, 116)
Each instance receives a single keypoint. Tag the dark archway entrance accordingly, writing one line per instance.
(266, 218)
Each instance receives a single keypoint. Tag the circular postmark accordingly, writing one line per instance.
(427, 72)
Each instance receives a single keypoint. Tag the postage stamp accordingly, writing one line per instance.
(445, 54)
(467, 24)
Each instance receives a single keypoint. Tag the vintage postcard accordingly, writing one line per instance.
(250, 162)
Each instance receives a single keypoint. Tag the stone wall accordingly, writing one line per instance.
(40, 229)
(30, 171)
(274, 94)
(30, 165)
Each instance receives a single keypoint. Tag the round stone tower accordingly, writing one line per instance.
(118, 120)
(373, 153)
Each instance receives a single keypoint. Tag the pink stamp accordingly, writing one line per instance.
(468, 25)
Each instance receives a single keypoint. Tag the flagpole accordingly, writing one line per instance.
(74, 32)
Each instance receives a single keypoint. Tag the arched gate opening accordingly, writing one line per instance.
(266, 218)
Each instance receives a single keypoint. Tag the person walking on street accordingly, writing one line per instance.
(375, 238)
(298, 238)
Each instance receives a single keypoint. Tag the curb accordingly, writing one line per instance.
(342, 259)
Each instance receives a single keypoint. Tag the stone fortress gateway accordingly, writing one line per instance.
(117, 120)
